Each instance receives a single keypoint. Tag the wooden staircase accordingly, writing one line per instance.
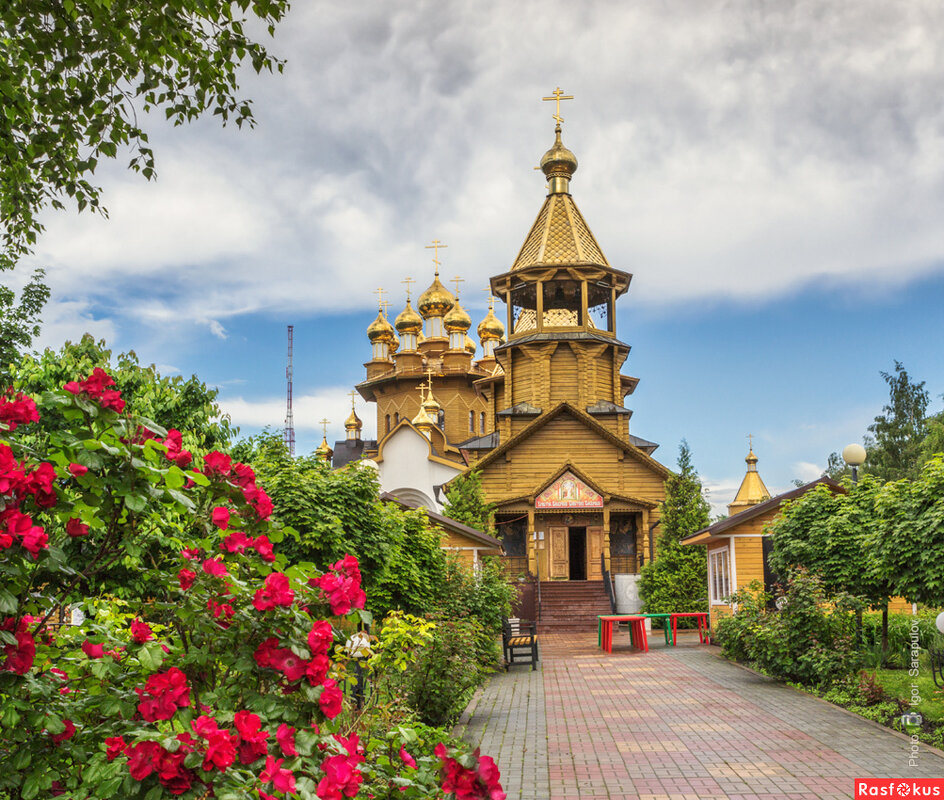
(572, 605)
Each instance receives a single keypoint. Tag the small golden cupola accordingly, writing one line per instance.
(423, 421)
(457, 323)
(436, 301)
(381, 335)
(558, 165)
(490, 330)
(753, 490)
(409, 325)
(353, 425)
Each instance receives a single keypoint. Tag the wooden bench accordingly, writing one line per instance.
(519, 642)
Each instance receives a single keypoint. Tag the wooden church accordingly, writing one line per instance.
(540, 413)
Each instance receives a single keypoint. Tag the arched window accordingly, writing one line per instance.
(482, 422)
(396, 418)
(388, 424)
(471, 422)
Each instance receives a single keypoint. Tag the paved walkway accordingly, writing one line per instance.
(673, 724)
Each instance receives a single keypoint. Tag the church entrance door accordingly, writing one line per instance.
(558, 548)
(594, 553)
(577, 544)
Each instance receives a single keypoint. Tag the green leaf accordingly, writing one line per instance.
(135, 502)
(8, 603)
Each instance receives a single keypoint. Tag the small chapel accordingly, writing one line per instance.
(537, 406)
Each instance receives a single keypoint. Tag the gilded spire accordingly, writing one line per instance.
(491, 328)
(753, 490)
(324, 451)
(353, 424)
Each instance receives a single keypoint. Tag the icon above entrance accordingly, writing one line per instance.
(568, 491)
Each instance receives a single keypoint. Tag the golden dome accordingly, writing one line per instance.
(470, 345)
(395, 344)
(324, 450)
(436, 300)
(491, 327)
(558, 161)
(408, 321)
(457, 320)
(422, 419)
(380, 330)
(353, 422)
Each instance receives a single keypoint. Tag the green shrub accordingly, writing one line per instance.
(809, 639)
(446, 670)
(899, 637)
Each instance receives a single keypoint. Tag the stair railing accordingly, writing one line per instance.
(608, 583)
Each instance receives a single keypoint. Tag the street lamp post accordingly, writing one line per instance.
(854, 456)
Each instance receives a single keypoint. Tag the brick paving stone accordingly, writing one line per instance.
(672, 724)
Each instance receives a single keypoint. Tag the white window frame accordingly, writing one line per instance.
(719, 580)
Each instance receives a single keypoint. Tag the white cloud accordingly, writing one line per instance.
(728, 149)
(217, 329)
(807, 471)
(69, 321)
(331, 403)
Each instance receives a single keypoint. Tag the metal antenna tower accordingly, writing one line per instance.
(289, 435)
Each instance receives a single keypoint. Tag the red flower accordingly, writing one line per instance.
(275, 592)
(41, 482)
(115, 745)
(467, 784)
(342, 778)
(68, 733)
(286, 662)
(77, 470)
(285, 736)
(236, 542)
(175, 451)
(321, 637)
(252, 739)
(20, 527)
(148, 757)
(18, 657)
(259, 500)
(220, 517)
(217, 463)
(330, 699)
(93, 650)
(163, 694)
(76, 528)
(214, 566)
(220, 609)
(317, 669)
(342, 586)
(264, 651)
(243, 476)
(95, 386)
(263, 547)
(141, 632)
(21, 410)
(221, 744)
(282, 779)
(406, 758)
(186, 578)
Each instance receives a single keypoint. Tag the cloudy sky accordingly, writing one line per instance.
(771, 172)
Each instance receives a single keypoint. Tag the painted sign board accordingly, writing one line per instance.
(568, 491)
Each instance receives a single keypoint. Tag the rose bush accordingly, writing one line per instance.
(228, 681)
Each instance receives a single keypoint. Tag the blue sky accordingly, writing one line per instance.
(772, 174)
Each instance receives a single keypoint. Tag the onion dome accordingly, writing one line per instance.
(408, 321)
(457, 320)
(422, 420)
(431, 407)
(436, 300)
(394, 344)
(324, 450)
(558, 162)
(380, 330)
(470, 346)
(353, 422)
(491, 327)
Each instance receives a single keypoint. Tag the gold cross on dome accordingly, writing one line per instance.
(352, 394)
(436, 246)
(556, 96)
(750, 441)
(491, 298)
(324, 423)
(409, 282)
(380, 291)
(384, 305)
(457, 280)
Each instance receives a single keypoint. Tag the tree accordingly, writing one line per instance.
(828, 533)
(677, 579)
(172, 402)
(79, 80)
(19, 321)
(465, 502)
(908, 539)
(895, 451)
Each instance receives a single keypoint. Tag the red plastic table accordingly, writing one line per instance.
(700, 616)
(637, 630)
